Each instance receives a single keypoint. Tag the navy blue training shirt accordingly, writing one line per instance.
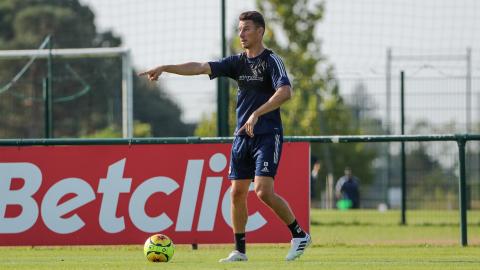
(258, 78)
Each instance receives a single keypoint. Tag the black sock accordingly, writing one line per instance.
(240, 242)
(295, 229)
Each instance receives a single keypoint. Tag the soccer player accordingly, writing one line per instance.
(263, 86)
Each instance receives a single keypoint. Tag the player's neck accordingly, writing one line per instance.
(254, 51)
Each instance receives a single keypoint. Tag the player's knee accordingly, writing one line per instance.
(237, 195)
(264, 195)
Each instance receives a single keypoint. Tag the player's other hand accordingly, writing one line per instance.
(248, 126)
(152, 74)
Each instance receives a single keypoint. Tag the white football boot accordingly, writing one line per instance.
(235, 256)
(298, 246)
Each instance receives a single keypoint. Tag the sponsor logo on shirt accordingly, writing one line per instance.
(265, 167)
(249, 78)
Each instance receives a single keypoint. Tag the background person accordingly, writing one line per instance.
(347, 188)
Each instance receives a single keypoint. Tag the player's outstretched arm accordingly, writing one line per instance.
(190, 68)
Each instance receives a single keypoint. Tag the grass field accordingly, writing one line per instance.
(342, 240)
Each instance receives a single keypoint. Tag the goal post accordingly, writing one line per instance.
(127, 75)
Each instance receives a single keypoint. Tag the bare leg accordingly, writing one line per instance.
(265, 192)
(238, 210)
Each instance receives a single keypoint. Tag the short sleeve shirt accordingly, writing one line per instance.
(258, 78)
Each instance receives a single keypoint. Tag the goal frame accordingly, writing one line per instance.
(127, 75)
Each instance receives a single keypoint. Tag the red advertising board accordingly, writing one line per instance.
(118, 194)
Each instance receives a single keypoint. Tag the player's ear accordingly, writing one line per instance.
(259, 29)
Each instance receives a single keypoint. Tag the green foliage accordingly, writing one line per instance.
(316, 107)
(301, 54)
(139, 130)
(111, 131)
(154, 106)
(432, 186)
(24, 24)
(207, 127)
(142, 129)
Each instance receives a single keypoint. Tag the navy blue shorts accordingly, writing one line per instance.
(257, 156)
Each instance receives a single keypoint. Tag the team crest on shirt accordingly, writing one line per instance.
(255, 71)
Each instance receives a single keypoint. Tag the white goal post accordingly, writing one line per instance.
(127, 79)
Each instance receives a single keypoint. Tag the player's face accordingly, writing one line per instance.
(249, 34)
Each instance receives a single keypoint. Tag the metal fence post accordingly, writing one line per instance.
(127, 95)
(47, 106)
(403, 156)
(461, 141)
(222, 85)
(49, 92)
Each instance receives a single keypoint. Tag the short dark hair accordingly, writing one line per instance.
(254, 16)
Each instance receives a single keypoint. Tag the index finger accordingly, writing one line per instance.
(143, 73)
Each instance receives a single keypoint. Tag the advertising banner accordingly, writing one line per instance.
(120, 194)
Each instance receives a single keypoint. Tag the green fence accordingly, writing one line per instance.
(460, 139)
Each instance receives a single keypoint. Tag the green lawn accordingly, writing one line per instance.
(366, 227)
(342, 240)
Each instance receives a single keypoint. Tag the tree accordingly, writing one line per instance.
(316, 107)
(362, 106)
(94, 83)
(430, 184)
